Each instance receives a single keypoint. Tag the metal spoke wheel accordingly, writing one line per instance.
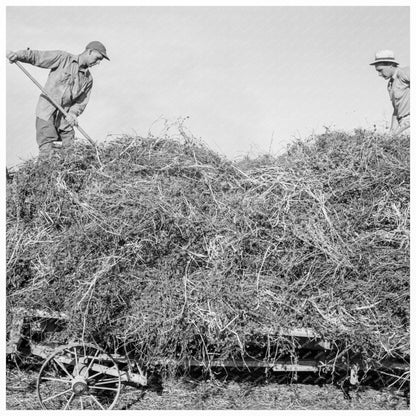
(78, 377)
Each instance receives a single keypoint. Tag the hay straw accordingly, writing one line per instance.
(183, 254)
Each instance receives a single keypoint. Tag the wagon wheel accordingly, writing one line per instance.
(79, 376)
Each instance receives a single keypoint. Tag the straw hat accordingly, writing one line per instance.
(384, 55)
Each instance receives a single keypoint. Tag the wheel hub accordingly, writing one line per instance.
(79, 385)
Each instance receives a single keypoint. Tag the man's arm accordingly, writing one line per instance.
(404, 75)
(79, 106)
(42, 59)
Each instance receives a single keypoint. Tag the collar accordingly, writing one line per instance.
(394, 76)
(75, 58)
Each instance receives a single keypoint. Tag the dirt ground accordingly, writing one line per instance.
(186, 393)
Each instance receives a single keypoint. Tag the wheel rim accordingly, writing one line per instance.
(79, 377)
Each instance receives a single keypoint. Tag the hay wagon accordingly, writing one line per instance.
(79, 375)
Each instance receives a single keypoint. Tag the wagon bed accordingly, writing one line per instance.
(81, 375)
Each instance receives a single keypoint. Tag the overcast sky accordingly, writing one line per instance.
(249, 78)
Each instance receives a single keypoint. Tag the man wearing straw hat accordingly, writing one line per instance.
(398, 87)
(69, 84)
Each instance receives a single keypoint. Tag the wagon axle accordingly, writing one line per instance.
(79, 385)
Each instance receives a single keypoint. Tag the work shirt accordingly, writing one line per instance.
(68, 84)
(399, 91)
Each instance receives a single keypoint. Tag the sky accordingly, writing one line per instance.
(250, 79)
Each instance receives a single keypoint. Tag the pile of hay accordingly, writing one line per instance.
(179, 253)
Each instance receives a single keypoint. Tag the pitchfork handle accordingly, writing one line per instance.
(65, 113)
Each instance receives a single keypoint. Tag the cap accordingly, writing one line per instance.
(98, 46)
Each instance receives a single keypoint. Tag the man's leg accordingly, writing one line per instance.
(46, 134)
(67, 136)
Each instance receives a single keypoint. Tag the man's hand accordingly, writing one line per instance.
(11, 56)
(72, 120)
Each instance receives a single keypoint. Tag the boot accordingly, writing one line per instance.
(45, 151)
(67, 143)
